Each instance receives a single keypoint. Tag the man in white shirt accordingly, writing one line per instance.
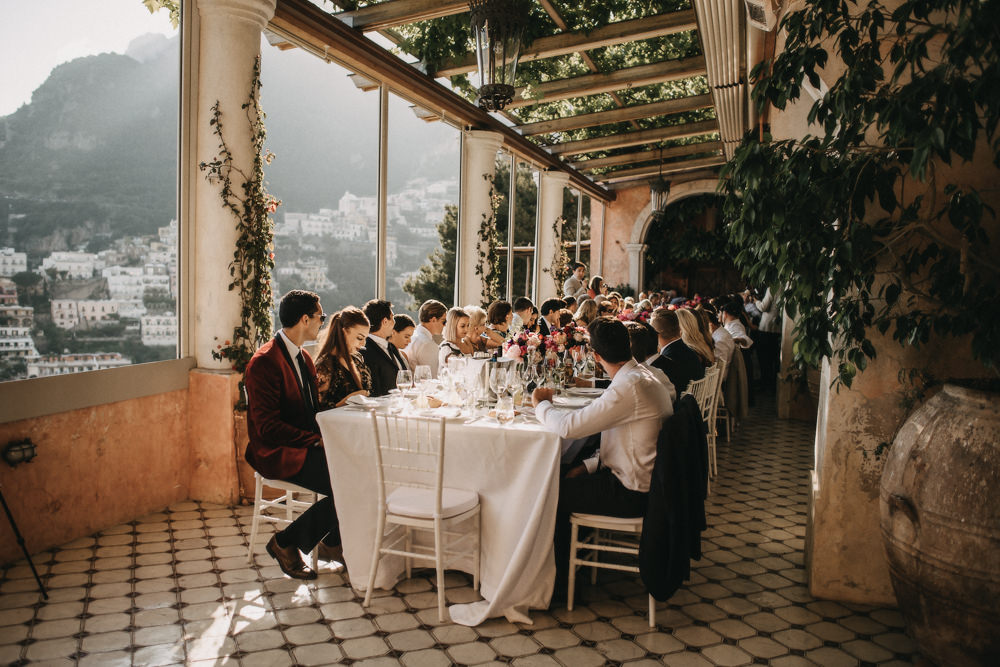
(628, 415)
(574, 285)
(422, 350)
(523, 309)
(730, 318)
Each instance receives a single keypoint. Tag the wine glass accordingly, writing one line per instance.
(421, 374)
(498, 379)
(404, 380)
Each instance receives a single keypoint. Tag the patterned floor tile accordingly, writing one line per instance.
(174, 587)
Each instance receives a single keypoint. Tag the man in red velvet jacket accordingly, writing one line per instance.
(285, 443)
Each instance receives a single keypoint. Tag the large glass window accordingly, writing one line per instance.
(88, 186)
(525, 219)
(324, 132)
(424, 161)
(501, 189)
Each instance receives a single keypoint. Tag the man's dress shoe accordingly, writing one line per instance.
(330, 554)
(289, 560)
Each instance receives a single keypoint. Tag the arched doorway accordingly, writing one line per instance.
(710, 277)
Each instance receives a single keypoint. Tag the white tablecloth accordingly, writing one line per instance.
(515, 470)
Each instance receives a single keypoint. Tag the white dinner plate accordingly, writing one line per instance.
(592, 392)
(571, 401)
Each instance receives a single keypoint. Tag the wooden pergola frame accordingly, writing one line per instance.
(549, 143)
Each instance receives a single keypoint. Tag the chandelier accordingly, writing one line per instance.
(659, 189)
(497, 26)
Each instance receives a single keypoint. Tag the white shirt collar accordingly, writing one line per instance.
(292, 348)
(382, 342)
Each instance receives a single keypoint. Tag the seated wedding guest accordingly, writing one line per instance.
(606, 309)
(654, 299)
(574, 285)
(616, 300)
(522, 314)
(642, 340)
(533, 325)
(423, 350)
(340, 369)
(550, 315)
(729, 315)
(285, 443)
(586, 312)
(571, 303)
(596, 287)
(677, 360)
(456, 331)
(691, 335)
(643, 305)
(628, 416)
(477, 327)
(722, 341)
(381, 357)
(498, 318)
(402, 332)
(565, 318)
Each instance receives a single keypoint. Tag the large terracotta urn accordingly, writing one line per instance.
(940, 515)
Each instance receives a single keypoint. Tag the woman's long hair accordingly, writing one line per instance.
(692, 337)
(333, 342)
(450, 332)
(586, 312)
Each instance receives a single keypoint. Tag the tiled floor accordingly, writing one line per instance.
(175, 587)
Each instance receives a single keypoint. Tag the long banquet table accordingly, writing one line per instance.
(515, 470)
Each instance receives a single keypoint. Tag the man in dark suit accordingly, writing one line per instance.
(285, 443)
(382, 357)
(680, 363)
(549, 320)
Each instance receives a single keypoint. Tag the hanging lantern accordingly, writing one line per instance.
(658, 191)
(497, 26)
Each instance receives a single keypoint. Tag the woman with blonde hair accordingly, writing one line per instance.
(340, 370)
(477, 327)
(586, 312)
(456, 329)
(692, 336)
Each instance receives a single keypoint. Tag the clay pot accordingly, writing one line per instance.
(940, 510)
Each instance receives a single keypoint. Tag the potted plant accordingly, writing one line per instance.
(881, 227)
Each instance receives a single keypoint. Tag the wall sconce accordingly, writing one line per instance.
(19, 451)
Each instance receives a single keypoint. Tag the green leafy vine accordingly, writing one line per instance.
(559, 266)
(253, 258)
(488, 266)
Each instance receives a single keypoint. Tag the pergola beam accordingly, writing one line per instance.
(573, 42)
(310, 26)
(400, 12)
(634, 112)
(653, 170)
(648, 155)
(606, 82)
(635, 138)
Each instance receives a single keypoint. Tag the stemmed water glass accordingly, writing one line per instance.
(404, 380)
(421, 374)
(499, 380)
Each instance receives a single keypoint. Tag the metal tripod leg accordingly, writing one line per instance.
(20, 541)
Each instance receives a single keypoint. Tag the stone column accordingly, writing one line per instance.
(550, 207)
(229, 42)
(636, 264)
(479, 154)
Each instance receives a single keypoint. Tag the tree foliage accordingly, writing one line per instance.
(436, 278)
(867, 224)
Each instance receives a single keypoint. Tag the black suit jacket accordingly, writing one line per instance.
(681, 364)
(382, 367)
(675, 510)
(543, 326)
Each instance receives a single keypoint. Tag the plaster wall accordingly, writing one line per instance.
(618, 222)
(96, 467)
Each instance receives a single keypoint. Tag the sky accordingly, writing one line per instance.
(37, 35)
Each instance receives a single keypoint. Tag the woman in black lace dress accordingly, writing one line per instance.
(340, 370)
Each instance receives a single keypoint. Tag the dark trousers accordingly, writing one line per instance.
(319, 522)
(768, 348)
(600, 493)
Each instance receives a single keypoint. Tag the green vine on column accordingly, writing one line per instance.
(559, 266)
(253, 258)
(488, 266)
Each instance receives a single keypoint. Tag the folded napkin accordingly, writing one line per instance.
(364, 401)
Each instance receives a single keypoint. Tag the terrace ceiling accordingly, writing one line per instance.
(613, 91)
